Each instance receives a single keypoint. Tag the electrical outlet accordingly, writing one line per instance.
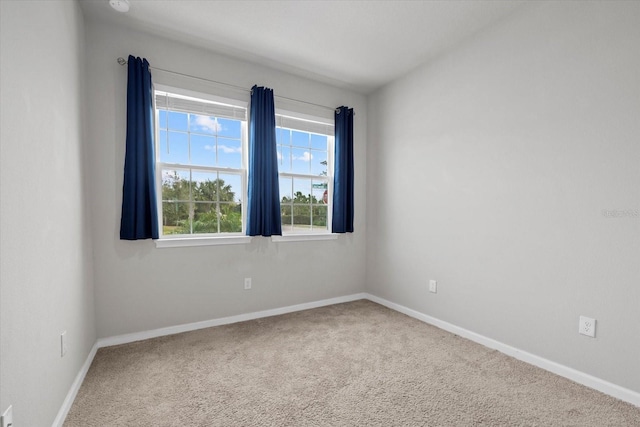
(63, 344)
(587, 326)
(247, 283)
(7, 417)
(433, 286)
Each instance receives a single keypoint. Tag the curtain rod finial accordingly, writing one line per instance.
(122, 61)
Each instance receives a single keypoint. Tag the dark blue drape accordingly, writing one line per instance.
(342, 221)
(263, 216)
(139, 211)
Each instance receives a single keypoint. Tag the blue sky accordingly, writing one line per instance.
(216, 142)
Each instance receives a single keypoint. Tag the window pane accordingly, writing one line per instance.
(319, 142)
(175, 218)
(301, 160)
(229, 153)
(205, 186)
(161, 144)
(319, 189)
(285, 189)
(162, 119)
(301, 190)
(177, 121)
(177, 149)
(230, 128)
(301, 217)
(203, 150)
(230, 187)
(230, 218)
(175, 185)
(203, 124)
(205, 219)
(283, 136)
(284, 158)
(320, 218)
(201, 208)
(287, 219)
(299, 139)
(319, 163)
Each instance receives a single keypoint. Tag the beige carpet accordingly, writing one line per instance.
(353, 364)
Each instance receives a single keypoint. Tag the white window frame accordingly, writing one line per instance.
(321, 234)
(201, 239)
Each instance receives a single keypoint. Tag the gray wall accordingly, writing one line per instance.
(139, 287)
(46, 264)
(489, 170)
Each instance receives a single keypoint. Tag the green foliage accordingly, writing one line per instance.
(303, 209)
(300, 198)
(199, 207)
(318, 221)
(190, 207)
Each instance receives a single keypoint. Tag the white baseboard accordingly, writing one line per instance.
(590, 381)
(558, 369)
(75, 386)
(138, 336)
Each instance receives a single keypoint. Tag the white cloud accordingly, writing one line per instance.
(229, 150)
(207, 123)
(306, 157)
(224, 148)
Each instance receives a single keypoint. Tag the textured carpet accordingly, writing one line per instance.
(353, 364)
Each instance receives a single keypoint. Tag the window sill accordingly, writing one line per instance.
(303, 237)
(181, 242)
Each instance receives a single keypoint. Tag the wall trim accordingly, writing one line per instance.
(154, 333)
(75, 387)
(579, 377)
(587, 380)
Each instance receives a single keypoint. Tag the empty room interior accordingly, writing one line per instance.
(442, 227)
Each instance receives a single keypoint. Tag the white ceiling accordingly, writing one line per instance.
(360, 45)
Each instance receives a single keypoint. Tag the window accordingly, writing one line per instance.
(200, 165)
(305, 167)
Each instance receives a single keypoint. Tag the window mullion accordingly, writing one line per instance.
(303, 176)
(191, 205)
(200, 168)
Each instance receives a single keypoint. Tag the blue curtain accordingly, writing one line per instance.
(139, 212)
(263, 216)
(342, 220)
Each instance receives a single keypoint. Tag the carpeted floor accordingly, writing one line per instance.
(353, 364)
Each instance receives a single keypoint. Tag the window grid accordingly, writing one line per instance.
(193, 201)
(315, 204)
(296, 204)
(197, 205)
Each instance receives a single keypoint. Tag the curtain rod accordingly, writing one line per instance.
(123, 62)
